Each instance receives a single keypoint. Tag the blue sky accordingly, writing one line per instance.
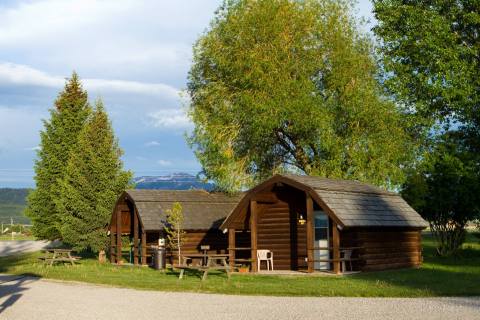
(133, 54)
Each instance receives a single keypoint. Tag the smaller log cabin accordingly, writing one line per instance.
(309, 223)
(140, 215)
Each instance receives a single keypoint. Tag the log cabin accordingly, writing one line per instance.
(308, 223)
(311, 223)
(140, 216)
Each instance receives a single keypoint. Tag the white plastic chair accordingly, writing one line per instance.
(346, 256)
(265, 255)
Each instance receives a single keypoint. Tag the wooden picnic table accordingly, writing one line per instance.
(211, 264)
(58, 255)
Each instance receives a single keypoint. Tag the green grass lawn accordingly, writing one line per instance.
(456, 276)
(13, 210)
(8, 237)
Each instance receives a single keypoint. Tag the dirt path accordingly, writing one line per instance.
(31, 298)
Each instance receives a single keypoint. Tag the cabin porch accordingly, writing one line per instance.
(298, 230)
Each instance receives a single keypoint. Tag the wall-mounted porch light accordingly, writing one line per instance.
(301, 219)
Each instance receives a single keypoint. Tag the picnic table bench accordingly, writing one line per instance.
(211, 264)
(58, 255)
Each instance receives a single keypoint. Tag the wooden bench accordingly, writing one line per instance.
(205, 269)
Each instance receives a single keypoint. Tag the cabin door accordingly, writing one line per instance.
(321, 241)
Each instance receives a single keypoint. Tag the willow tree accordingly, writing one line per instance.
(283, 85)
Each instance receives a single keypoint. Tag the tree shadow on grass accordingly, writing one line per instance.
(438, 276)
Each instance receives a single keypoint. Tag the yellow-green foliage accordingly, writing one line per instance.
(174, 228)
(291, 85)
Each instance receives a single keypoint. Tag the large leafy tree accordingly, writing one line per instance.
(445, 189)
(291, 85)
(59, 137)
(93, 180)
(431, 51)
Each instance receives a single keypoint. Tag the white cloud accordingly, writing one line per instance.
(152, 144)
(15, 74)
(170, 119)
(41, 19)
(117, 37)
(32, 148)
(158, 89)
(164, 163)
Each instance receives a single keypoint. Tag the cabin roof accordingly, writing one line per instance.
(349, 203)
(202, 210)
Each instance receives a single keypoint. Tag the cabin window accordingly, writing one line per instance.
(321, 253)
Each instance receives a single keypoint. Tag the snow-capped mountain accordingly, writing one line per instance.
(174, 181)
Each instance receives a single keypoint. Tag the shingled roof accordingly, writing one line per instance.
(202, 210)
(350, 203)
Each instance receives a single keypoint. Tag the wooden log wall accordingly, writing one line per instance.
(279, 232)
(384, 249)
(125, 220)
(274, 234)
(216, 239)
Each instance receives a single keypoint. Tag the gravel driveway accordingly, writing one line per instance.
(18, 246)
(31, 298)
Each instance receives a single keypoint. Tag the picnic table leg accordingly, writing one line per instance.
(71, 258)
(53, 258)
(205, 273)
(181, 274)
(209, 264)
(227, 267)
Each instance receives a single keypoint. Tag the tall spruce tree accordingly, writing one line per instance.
(59, 137)
(93, 180)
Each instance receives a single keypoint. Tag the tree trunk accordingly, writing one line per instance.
(102, 257)
(178, 246)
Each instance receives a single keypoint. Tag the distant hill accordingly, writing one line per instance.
(15, 196)
(13, 201)
(12, 205)
(175, 181)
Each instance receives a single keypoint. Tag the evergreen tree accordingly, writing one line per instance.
(58, 138)
(93, 180)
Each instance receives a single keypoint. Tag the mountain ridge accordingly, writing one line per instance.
(174, 181)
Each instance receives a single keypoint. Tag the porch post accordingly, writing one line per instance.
(135, 237)
(118, 257)
(253, 234)
(112, 244)
(336, 248)
(310, 233)
(144, 248)
(231, 248)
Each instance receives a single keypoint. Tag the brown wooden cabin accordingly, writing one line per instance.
(140, 214)
(308, 222)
